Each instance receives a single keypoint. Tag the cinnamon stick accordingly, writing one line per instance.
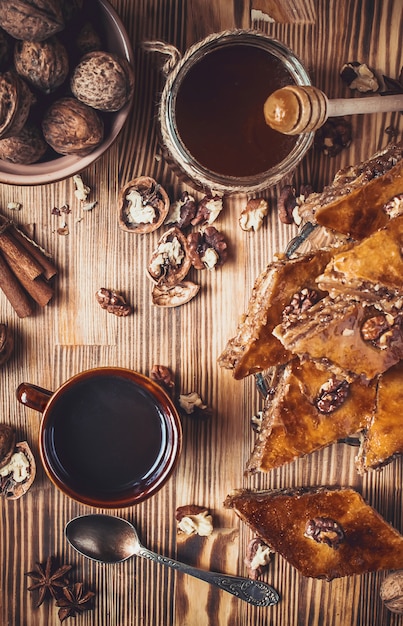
(40, 290)
(16, 255)
(13, 291)
(48, 267)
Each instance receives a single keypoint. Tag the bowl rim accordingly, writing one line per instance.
(63, 167)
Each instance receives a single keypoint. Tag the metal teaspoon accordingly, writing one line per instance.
(110, 539)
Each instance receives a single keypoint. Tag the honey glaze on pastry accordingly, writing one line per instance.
(323, 532)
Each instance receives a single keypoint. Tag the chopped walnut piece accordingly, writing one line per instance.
(332, 395)
(82, 191)
(258, 555)
(207, 248)
(113, 302)
(194, 520)
(253, 214)
(286, 204)
(325, 530)
(188, 402)
(333, 136)
(359, 76)
(182, 212)
(300, 302)
(164, 377)
(208, 209)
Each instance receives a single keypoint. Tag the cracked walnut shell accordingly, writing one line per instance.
(103, 80)
(170, 261)
(44, 64)
(71, 127)
(31, 20)
(143, 205)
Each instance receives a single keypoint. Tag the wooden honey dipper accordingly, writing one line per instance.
(294, 109)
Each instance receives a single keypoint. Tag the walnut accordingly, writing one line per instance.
(258, 555)
(143, 205)
(208, 209)
(374, 327)
(71, 9)
(103, 80)
(333, 136)
(170, 261)
(43, 64)
(359, 76)
(391, 592)
(286, 204)
(194, 520)
(17, 465)
(27, 147)
(164, 377)
(7, 443)
(5, 50)
(87, 39)
(192, 404)
(207, 248)
(325, 530)
(113, 302)
(332, 394)
(182, 212)
(179, 294)
(15, 103)
(31, 20)
(6, 343)
(299, 303)
(71, 127)
(253, 214)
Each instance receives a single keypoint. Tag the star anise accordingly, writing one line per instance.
(49, 579)
(74, 601)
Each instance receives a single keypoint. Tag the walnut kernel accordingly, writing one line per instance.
(143, 205)
(170, 261)
(113, 302)
(253, 214)
(258, 556)
(194, 520)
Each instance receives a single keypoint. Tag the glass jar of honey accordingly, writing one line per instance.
(212, 127)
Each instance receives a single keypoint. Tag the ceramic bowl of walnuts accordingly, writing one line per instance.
(66, 86)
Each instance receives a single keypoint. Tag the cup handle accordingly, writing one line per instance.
(34, 397)
(173, 54)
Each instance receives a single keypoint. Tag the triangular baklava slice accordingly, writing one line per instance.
(308, 410)
(354, 202)
(383, 438)
(347, 337)
(322, 532)
(371, 270)
(254, 348)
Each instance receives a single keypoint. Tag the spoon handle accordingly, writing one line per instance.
(297, 109)
(252, 591)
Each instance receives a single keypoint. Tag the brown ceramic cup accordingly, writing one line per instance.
(109, 437)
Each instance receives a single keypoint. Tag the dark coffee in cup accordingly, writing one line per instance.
(108, 437)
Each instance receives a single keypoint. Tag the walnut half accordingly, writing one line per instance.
(170, 261)
(194, 520)
(143, 205)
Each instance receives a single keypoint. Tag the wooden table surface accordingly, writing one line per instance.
(73, 333)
